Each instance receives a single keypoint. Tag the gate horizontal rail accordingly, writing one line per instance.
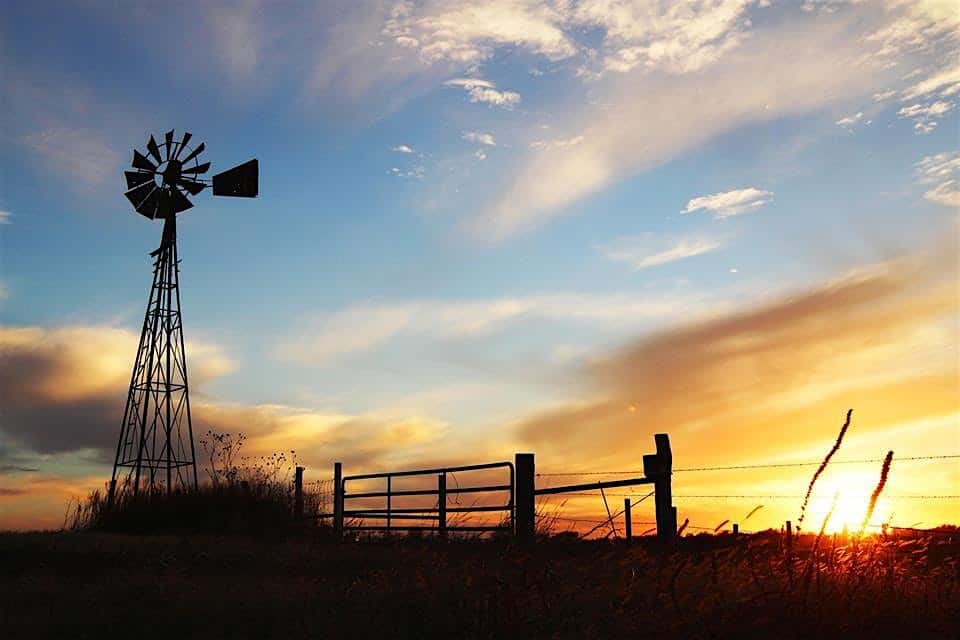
(593, 485)
(428, 492)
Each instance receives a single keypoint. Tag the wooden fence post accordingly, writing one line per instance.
(442, 504)
(298, 493)
(338, 498)
(525, 521)
(789, 536)
(627, 520)
(389, 502)
(736, 529)
(659, 467)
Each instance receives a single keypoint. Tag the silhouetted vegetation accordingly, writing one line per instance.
(60, 585)
(240, 495)
(208, 581)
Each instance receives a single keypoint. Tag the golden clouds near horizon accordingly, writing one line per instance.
(770, 383)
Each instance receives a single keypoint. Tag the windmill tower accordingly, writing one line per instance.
(155, 451)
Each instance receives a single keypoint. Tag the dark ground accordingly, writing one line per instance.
(92, 585)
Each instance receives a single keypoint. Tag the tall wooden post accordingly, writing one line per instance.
(338, 498)
(659, 468)
(736, 529)
(442, 504)
(627, 520)
(525, 521)
(298, 493)
(389, 503)
(789, 536)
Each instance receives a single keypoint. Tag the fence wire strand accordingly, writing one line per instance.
(770, 465)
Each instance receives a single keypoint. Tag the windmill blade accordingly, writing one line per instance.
(183, 144)
(194, 153)
(177, 202)
(149, 205)
(140, 162)
(137, 178)
(137, 195)
(154, 149)
(200, 168)
(243, 181)
(193, 187)
(169, 138)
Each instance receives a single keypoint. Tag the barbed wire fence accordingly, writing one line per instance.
(732, 496)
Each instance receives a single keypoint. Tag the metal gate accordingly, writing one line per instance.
(388, 516)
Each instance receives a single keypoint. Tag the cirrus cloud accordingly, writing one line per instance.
(730, 203)
(943, 172)
(646, 251)
(480, 138)
(479, 90)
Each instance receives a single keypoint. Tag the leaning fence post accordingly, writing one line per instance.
(659, 467)
(442, 504)
(298, 493)
(627, 520)
(525, 521)
(338, 498)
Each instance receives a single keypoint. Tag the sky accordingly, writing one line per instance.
(491, 227)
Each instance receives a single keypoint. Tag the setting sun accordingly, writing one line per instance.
(852, 490)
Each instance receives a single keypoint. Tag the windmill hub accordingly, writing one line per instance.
(156, 449)
(170, 172)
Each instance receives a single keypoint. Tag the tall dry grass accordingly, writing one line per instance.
(884, 472)
(822, 468)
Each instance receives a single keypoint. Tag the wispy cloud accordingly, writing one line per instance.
(329, 336)
(942, 83)
(462, 32)
(649, 118)
(730, 203)
(237, 33)
(479, 90)
(402, 148)
(416, 172)
(848, 121)
(673, 37)
(916, 26)
(649, 251)
(943, 172)
(5, 217)
(562, 143)
(925, 116)
(480, 138)
(678, 38)
(81, 153)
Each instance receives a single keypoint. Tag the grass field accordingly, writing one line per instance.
(98, 585)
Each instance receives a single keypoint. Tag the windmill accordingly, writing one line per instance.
(155, 450)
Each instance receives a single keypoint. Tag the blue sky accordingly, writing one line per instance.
(465, 205)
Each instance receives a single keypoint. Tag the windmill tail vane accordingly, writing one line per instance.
(155, 450)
